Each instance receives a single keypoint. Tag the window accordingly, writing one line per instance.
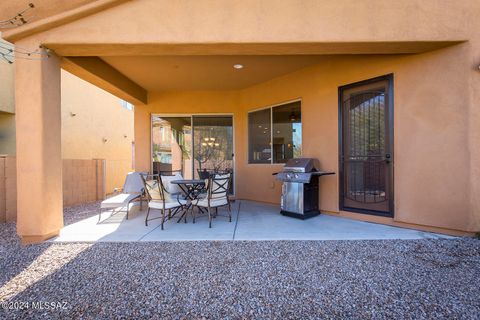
(275, 134)
(126, 105)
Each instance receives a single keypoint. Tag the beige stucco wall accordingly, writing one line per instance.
(432, 162)
(263, 22)
(98, 115)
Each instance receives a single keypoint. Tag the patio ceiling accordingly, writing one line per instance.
(165, 73)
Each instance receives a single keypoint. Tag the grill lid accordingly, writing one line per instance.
(300, 165)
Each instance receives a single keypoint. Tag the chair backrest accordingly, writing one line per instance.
(168, 185)
(203, 174)
(219, 185)
(133, 183)
(153, 187)
(170, 172)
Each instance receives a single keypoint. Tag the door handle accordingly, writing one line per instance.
(388, 158)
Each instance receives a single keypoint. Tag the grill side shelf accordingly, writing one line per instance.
(322, 173)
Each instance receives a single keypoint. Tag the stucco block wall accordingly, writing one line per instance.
(83, 181)
(8, 188)
(431, 114)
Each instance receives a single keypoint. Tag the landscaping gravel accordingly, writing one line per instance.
(241, 280)
(76, 213)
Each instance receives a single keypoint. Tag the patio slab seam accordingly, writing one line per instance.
(236, 220)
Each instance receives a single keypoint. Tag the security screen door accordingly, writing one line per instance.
(366, 157)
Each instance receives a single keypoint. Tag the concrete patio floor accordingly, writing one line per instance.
(251, 221)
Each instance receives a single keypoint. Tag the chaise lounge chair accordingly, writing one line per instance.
(133, 190)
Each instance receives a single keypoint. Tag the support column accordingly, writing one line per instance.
(39, 158)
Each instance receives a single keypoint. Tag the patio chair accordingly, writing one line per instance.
(133, 190)
(173, 189)
(216, 197)
(159, 198)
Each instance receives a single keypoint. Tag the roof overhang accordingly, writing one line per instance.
(51, 22)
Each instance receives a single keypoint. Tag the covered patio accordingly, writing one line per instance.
(186, 60)
(251, 221)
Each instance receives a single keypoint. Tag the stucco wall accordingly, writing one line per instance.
(431, 112)
(89, 117)
(266, 21)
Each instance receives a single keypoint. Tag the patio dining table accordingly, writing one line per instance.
(192, 189)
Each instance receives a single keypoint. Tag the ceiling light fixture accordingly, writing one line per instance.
(238, 66)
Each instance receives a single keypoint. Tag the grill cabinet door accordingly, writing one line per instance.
(292, 197)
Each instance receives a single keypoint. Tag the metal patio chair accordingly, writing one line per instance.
(159, 198)
(216, 197)
(133, 190)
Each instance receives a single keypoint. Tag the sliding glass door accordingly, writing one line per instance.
(193, 145)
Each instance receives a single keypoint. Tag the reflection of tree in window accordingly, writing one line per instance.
(213, 150)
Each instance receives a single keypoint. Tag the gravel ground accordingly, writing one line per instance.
(83, 211)
(240, 280)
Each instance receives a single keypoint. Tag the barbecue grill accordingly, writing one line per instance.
(300, 187)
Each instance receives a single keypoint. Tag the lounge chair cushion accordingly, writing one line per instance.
(133, 183)
(120, 200)
(155, 204)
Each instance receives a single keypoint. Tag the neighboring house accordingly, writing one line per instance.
(7, 108)
(95, 124)
(383, 93)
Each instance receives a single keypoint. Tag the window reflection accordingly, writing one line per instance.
(172, 145)
(275, 134)
(259, 136)
(287, 132)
